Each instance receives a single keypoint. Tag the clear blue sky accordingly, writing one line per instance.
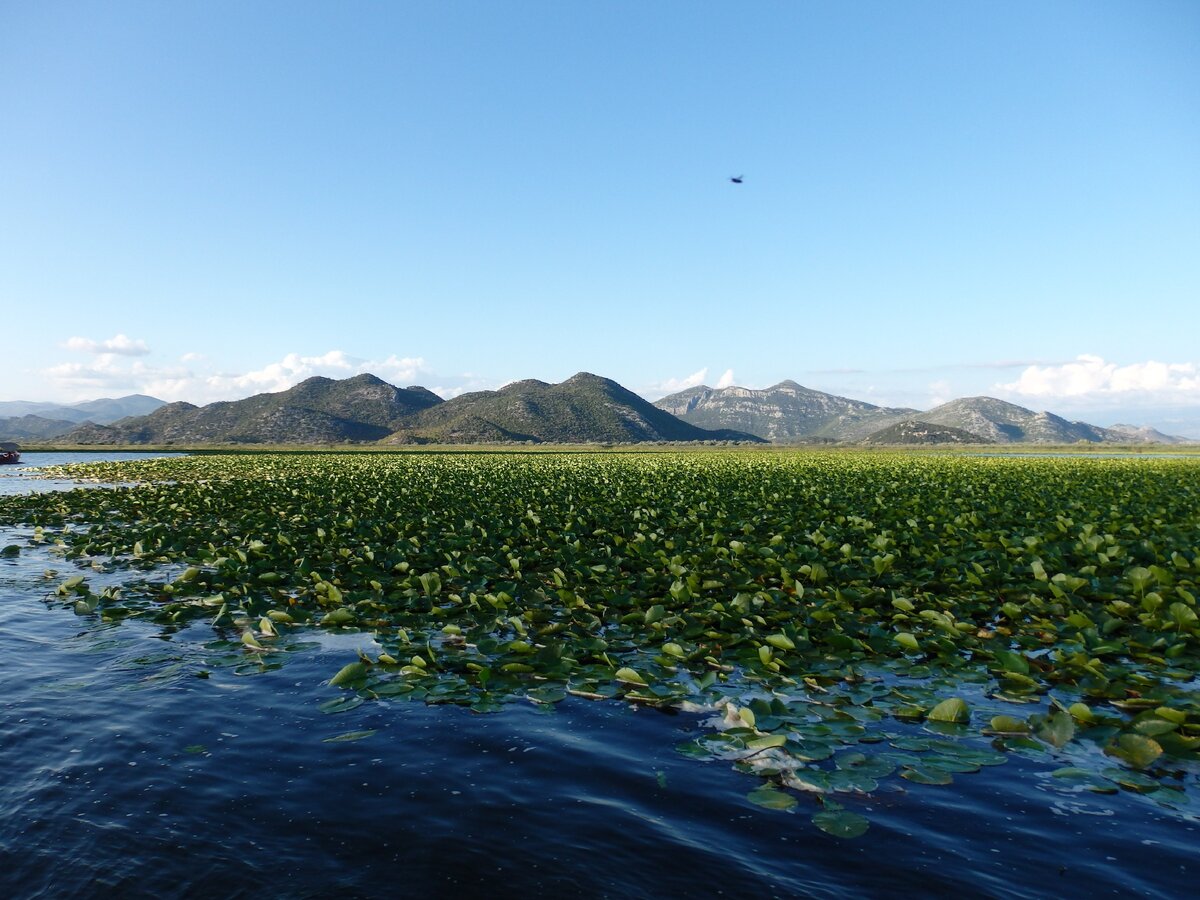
(206, 199)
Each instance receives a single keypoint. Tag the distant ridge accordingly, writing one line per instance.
(783, 412)
(27, 420)
(31, 427)
(1134, 434)
(790, 412)
(915, 431)
(317, 410)
(1001, 422)
(585, 408)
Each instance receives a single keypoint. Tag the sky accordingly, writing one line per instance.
(206, 200)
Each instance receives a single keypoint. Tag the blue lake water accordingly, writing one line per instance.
(125, 774)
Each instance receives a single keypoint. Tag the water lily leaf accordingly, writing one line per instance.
(926, 775)
(908, 642)
(1056, 728)
(1008, 725)
(629, 676)
(1154, 727)
(813, 781)
(841, 823)
(1138, 782)
(911, 743)
(780, 641)
(1009, 661)
(850, 780)
(954, 710)
(340, 616)
(341, 704)
(1178, 716)
(1081, 712)
(764, 743)
(349, 736)
(355, 671)
(772, 798)
(1136, 749)
(674, 650)
(250, 641)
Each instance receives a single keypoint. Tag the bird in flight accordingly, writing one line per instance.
(737, 179)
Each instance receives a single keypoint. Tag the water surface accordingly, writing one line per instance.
(135, 765)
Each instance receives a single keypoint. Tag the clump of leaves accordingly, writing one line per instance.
(839, 602)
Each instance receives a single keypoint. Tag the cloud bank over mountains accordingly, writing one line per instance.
(1091, 378)
(112, 371)
(1168, 392)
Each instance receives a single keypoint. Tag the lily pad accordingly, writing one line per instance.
(841, 823)
(772, 798)
(349, 736)
(955, 710)
(1136, 749)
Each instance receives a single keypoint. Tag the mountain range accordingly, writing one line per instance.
(789, 412)
(316, 411)
(583, 409)
(25, 420)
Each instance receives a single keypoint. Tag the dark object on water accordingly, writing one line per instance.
(736, 179)
(9, 453)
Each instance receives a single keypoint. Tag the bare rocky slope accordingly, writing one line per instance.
(783, 412)
(791, 412)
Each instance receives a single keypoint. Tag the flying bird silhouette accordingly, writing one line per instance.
(737, 179)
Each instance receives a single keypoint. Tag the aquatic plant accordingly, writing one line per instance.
(841, 618)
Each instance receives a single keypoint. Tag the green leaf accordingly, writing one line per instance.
(1009, 725)
(629, 676)
(770, 740)
(1136, 749)
(352, 672)
(349, 736)
(772, 798)
(925, 775)
(908, 642)
(781, 641)
(841, 823)
(1008, 661)
(1055, 728)
(953, 710)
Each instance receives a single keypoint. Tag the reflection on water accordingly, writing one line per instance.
(26, 476)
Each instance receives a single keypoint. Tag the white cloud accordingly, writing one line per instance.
(939, 393)
(726, 380)
(119, 344)
(110, 374)
(1092, 379)
(674, 385)
(450, 387)
(191, 357)
(106, 372)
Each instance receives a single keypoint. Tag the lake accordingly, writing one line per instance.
(134, 766)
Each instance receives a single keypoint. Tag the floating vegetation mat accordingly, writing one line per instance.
(838, 620)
